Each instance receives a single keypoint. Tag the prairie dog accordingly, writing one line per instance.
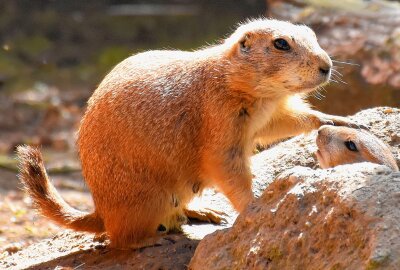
(163, 125)
(342, 145)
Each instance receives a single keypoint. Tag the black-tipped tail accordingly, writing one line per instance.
(46, 198)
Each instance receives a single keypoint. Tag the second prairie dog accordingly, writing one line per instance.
(163, 125)
(343, 145)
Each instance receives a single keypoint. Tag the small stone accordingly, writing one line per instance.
(13, 248)
(395, 138)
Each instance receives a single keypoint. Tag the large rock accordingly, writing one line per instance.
(342, 218)
(77, 250)
(346, 217)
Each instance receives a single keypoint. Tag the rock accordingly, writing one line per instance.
(13, 248)
(342, 218)
(261, 238)
(70, 250)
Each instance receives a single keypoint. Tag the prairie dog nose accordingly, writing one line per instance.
(324, 70)
(325, 64)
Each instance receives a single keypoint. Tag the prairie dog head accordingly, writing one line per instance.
(271, 58)
(342, 145)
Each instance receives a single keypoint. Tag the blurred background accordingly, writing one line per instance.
(54, 53)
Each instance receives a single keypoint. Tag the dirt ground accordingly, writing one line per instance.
(20, 225)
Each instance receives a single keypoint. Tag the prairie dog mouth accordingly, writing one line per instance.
(324, 81)
(324, 164)
(312, 86)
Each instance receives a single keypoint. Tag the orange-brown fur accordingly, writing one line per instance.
(332, 150)
(162, 122)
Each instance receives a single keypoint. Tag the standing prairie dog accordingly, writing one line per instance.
(343, 145)
(163, 125)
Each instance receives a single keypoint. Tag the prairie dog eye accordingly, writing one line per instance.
(244, 47)
(351, 146)
(281, 44)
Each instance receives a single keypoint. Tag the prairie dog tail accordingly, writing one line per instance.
(46, 198)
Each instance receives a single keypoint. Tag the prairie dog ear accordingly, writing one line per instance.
(245, 43)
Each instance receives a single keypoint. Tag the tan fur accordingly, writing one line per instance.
(163, 122)
(46, 198)
(332, 150)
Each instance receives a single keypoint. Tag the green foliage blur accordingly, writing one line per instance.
(69, 43)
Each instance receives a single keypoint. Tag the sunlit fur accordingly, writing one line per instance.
(267, 72)
(162, 122)
(332, 150)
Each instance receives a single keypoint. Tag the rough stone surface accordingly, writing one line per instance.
(342, 218)
(80, 251)
(71, 250)
(302, 220)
